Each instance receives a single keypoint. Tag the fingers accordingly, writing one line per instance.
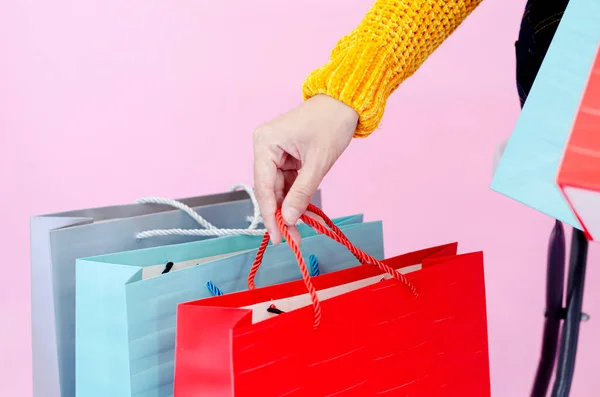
(295, 234)
(301, 192)
(316, 218)
(265, 180)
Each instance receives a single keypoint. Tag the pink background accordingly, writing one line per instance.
(102, 102)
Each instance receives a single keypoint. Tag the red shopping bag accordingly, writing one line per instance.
(579, 172)
(358, 332)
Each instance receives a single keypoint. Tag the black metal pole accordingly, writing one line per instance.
(555, 279)
(570, 333)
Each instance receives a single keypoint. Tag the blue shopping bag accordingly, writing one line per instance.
(126, 307)
(528, 168)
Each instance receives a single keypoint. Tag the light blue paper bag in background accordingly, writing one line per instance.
(57, 240)
(126, 309)
(528, 168)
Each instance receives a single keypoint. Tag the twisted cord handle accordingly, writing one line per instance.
(208, 229)
(332, 232)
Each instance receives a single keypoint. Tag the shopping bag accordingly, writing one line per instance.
(357, 332)
(58, 239)
(579, 173)
(527, 171)
(126, 307)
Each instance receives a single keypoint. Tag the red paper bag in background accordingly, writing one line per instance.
(374, 338)
(579, 172)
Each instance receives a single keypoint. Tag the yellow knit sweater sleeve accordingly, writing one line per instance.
(390, 44)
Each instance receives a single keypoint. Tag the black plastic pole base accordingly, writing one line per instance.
(570, 333)
(555, 313)
(555, 280)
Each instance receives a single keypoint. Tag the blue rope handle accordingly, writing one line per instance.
(213, 289)
(313, 264)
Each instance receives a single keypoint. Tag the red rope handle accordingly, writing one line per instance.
(259, 257)
(361, 256)
(335, 234)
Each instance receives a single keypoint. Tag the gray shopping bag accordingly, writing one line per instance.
(126, 306)
(57, 240)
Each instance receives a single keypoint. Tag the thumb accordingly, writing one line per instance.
(301, 193)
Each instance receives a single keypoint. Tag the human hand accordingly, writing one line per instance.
(292, 154)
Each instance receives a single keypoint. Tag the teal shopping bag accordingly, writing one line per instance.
(126, 307)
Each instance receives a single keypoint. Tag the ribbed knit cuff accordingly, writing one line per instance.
(361, 76)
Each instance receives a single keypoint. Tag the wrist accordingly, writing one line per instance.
(342, 112)
(358, 76)
(346, 112)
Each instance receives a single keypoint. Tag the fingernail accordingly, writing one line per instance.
(275, 240)
(290, 215)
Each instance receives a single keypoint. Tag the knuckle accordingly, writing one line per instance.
(261, 132)
(302, 194)
(258, 193)
(261, 196)
(257, 133)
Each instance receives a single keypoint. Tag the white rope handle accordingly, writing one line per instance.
(208, 228)
(256, 217)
